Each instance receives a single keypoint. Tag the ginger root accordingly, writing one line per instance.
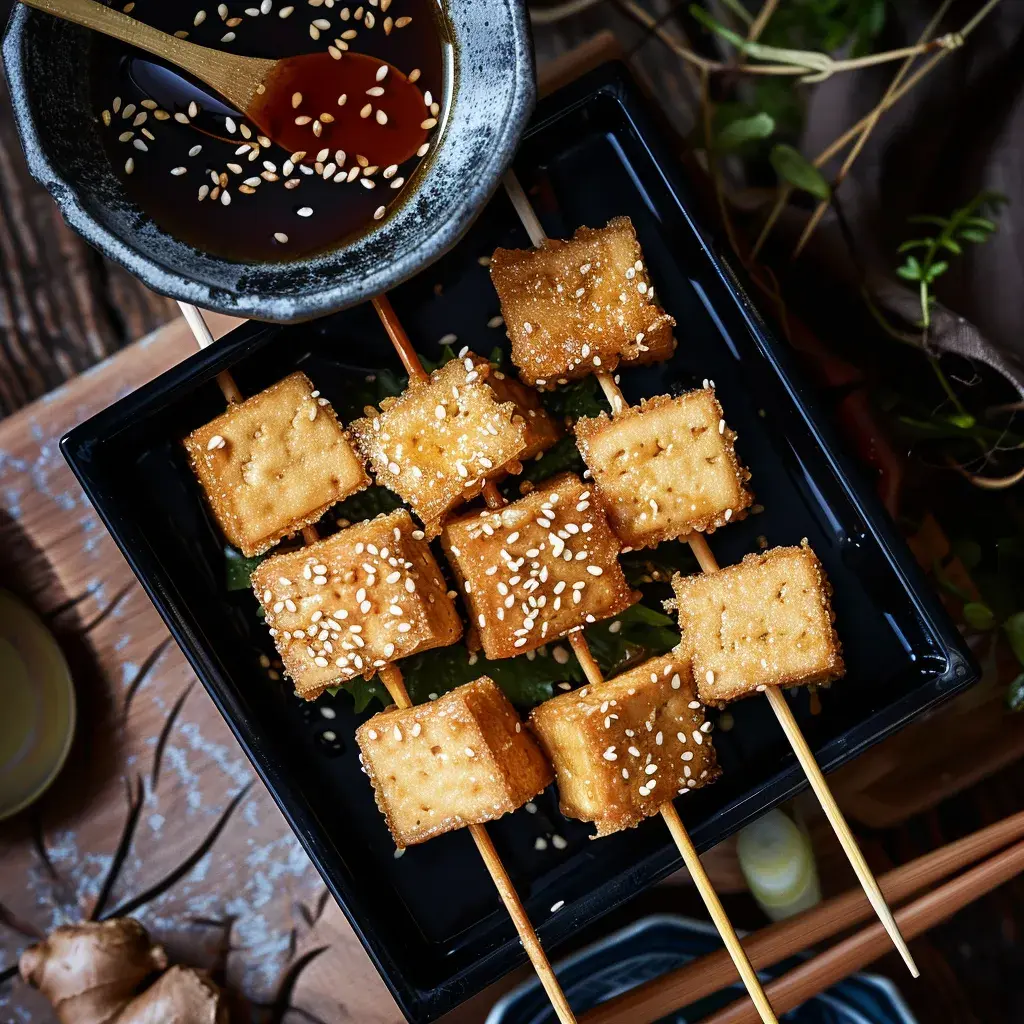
(181, 995)
(94, 973)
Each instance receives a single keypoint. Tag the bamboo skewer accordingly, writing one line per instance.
(391, 675)
(693, 864)
(593, 673)
(577, 640)
(228, 388)
(201, 332)
(686, 985)
(706, 559)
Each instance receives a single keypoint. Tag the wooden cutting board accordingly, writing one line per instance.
(134, 687)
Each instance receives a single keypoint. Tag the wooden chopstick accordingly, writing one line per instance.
(770, 945)
(850, 955)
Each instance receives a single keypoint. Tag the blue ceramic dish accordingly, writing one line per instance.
(662, 943)
(48, 70)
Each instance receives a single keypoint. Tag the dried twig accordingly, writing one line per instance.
(839, 144)
(757, 26)
(873, 118)
(713, 169)
(806, 64)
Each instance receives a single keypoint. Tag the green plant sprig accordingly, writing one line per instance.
(965, 224)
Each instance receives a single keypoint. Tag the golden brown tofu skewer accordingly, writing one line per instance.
(593, 673)
(391, 675)
(699, 545)
(563, 488)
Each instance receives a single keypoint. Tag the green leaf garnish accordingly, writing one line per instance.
(796, 170)
(238, 569)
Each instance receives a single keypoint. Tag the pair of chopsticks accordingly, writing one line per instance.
(777, 942)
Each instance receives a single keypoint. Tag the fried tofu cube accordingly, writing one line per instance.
(623, 748)
(354, 602)
(665, 468)
(765, 622)
(274, 463)
(440, 440)
(537, 569)
(575, 307)
(460, 760)
(542, 430)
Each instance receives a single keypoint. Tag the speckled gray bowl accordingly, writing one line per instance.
(47, 64)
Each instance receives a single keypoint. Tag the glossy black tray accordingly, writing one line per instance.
(431, 920)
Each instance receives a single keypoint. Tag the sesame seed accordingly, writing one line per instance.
(305, 211)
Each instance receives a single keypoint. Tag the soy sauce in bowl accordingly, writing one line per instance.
(362, 117)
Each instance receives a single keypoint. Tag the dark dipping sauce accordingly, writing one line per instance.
(293, 208)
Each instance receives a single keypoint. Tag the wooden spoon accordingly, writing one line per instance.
(306, 103)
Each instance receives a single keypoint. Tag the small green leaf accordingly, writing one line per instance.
(915, 243)
(238, 568)
(1014, 629)
(937, 268)
(980, 222)
(979, 615)
(363, 693)
(953, 247)
(963, 420)
(496, 357)
(911, 269)
(975, 235)
(1015, 694)
(745, 129)
(795, 169)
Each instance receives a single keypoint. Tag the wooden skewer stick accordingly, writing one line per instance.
(768, 946)
(578, 641)
(204, 339)
(693, 864)
(391, 677)
(226, 383)
(699, 546)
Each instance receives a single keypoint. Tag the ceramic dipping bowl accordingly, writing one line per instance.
(493, 91)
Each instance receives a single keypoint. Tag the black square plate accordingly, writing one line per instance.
(431, 920)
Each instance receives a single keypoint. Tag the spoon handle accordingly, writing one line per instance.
(234, 77)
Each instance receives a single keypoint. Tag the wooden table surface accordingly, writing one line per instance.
(253, 903)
